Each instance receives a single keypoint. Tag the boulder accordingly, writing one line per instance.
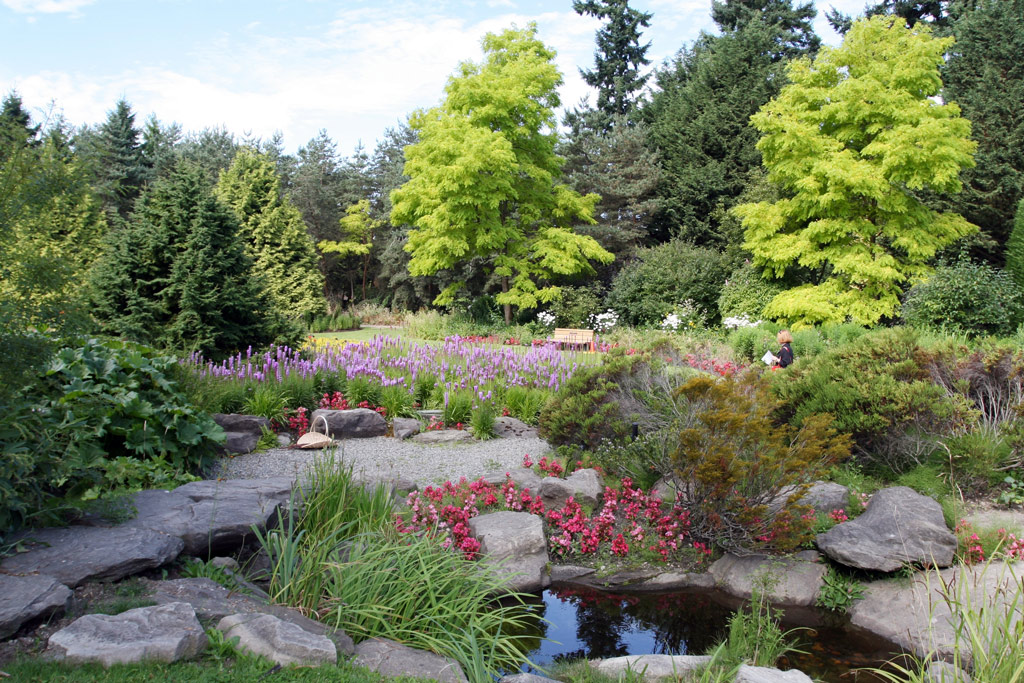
(25, 599)
(212, 516)
(242, 432)
(523, 477)
(568, 573)
(582, 485)
(164, 633)
(74, 555)
(280, 641)
(359, 423)
(404, 427)
(392, 659)
(443, 436)
(511, 427)
(666, 488)
(513, 544)
(763, 674)
(525, 678)
(826, 496)
(915, 616)
(652, 667)
(212, 602)
(792, 581)
(899, 527)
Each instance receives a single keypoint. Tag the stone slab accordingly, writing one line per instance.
(278, 640)
(25, 599)
(513, 544)
(792, 581)
(389, 658)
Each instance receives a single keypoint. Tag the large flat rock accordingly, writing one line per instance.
(358, 423)
(74, 555)
(212, 516)
(278, 640)
(164, 633)
(28, 598)
(791, 581)
(212, 602)
(393, 659)
(899, 527)
(651, 667)
(914, 615)
(513, 544)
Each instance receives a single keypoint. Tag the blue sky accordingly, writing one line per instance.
(351, 67)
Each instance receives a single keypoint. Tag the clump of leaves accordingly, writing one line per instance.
(482, 422)
(839, 591)
(737, 462)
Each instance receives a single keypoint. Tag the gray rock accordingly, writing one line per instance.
(653, 667)
(584, 486)
(513, 544)
(242, 432)
(27, 598)
(899, 527)
(668, 581)
(762, 674)
(944, 672)
(823, 496)
(567, 573)
(358, 423)
(404, 427)
(212, 516)
(525, 678)
(666, 488)
(510, 426)
(213, 602)
(793, 581)
(164, 633)
(280, 641)
(443, 436)
(225, 563)
(284, 440)
(389, 658)
(523, 477)
(74, 555)
(915, 616)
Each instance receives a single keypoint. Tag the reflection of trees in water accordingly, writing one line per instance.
(678, 622)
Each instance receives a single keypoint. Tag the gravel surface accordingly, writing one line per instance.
(388, 458)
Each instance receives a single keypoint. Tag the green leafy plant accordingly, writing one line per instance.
(219, 647)
(1014, 492)
(269, 401)
(267, 440)
(397, 401)
(754, 635)
(525, 403)
(359, 389)
(195, 568)
(458, 408)
(423, 390)
(737, 462)
(972, 297)
(482, 422)
(838, 591)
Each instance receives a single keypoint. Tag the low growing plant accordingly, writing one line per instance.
(839, 591)
(482, 422)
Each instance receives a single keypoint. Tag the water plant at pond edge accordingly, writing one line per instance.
(341, 561)
(838, 591)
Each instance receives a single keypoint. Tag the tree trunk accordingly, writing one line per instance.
(508, 307)
(366, 265)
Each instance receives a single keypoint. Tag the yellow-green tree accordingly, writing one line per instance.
(358, 227)
(851, 140)
(484, 179)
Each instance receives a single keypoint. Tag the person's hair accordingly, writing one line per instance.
(784, 336)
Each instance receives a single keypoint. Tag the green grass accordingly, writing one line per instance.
(200, 671)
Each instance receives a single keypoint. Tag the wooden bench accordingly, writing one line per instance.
(568, 335)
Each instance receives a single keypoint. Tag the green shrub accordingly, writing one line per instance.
(745, 292)
(880, 392)
(359, 389)
(1015, 248)
(397, 401)
(662, 277)
(457, 408)
(482, 422)
(975, 298)
(423, 390)
(575, 305)
(98, 407)
(340, 321)
(737, 462)
(838, 591)
(268, 400)
(525, 403)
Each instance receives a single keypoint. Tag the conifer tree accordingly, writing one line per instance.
(795, 37)
(177, 274)
(117, 161)
(619, 57)
(1015, 248)
(276, 240)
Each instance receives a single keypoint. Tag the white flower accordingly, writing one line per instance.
(546, 318)
(739, 321)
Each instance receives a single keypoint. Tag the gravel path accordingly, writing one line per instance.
(389, 458)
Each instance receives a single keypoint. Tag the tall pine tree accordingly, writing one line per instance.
(283, 255)
(117, 162)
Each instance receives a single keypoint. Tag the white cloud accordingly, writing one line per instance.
(46, 6)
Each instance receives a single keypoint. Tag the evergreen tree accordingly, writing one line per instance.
(795, 37)
(117, 161)
(619, 57)
(484, 178)
(177, 274)
(699, 123)
(283, 255)
(211, 149)
(158, 146)
(932, 12)
(1015, 248)
(851, 140)
(984, 74)
(16, 129)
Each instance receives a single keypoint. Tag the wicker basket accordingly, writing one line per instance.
(311, 440)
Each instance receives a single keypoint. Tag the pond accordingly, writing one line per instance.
(585, 623)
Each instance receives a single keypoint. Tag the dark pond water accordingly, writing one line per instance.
(594, 624)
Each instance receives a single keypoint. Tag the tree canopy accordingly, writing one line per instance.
(851, 139)
(484, 178)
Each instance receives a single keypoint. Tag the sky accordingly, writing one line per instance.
(351, 67)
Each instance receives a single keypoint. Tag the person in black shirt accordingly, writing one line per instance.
(785, 354)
